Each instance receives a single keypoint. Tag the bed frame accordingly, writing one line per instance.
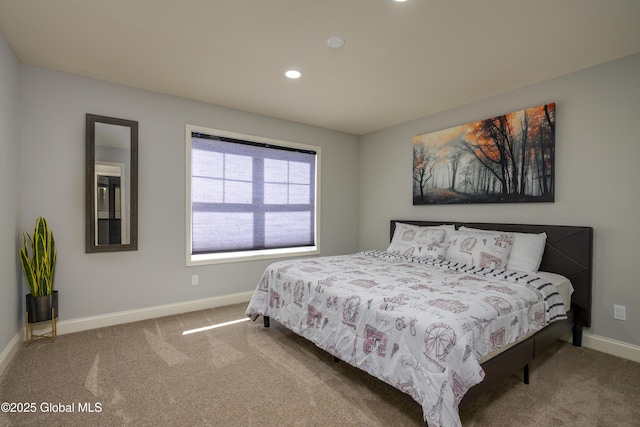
(569, 252)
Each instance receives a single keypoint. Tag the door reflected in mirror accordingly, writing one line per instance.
(111, 181)
(112, 227)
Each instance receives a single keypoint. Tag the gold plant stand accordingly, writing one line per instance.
(30, 336)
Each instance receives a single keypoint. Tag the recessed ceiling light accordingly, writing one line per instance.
(400, 1)
(293, 74)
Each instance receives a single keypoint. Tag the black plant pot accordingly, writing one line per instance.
(39, 308)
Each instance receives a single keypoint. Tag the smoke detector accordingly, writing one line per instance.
(335, 42)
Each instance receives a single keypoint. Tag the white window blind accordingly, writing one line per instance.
(250, 196)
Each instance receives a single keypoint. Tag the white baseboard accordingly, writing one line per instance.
(607, 345)
(111, 319)
(10, 350)
(614, 347)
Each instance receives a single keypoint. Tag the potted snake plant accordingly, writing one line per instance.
(38, 258)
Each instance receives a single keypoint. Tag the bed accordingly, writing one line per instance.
(439, 319)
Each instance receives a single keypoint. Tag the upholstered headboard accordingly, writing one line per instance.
(568, 251)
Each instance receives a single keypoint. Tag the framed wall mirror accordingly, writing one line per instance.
(111, 184)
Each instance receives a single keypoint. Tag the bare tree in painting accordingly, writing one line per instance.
(549, 132)
(523, 152)
(468, 184)
(454, 158)
(545, 150)
(423, 165)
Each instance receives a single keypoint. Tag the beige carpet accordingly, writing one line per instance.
(149, 374)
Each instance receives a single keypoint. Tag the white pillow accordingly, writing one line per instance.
(435, 251)
(448, 229)
(527, 250)
(409, 239)
(488, 249)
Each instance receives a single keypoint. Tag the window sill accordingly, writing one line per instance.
(228, 257)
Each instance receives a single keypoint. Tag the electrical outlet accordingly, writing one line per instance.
(620, 312)
(195, 280)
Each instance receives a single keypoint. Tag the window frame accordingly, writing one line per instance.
(252, 255)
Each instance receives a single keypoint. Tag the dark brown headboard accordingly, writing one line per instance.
(569, 252)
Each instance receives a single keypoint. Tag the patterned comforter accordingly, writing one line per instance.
(418, 325)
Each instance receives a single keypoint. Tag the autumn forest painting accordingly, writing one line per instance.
(505, 159)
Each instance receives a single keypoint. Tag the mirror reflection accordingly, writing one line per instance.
(111, 184)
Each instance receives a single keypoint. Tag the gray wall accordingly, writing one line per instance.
(597, 178)
(53, 107)
(10, 292)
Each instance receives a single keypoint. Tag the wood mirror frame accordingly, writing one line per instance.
(107, 141)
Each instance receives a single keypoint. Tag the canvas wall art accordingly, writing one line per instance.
(505, 159)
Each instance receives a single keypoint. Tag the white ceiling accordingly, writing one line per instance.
(401, 61)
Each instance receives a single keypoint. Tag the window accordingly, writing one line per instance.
(249, 197)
